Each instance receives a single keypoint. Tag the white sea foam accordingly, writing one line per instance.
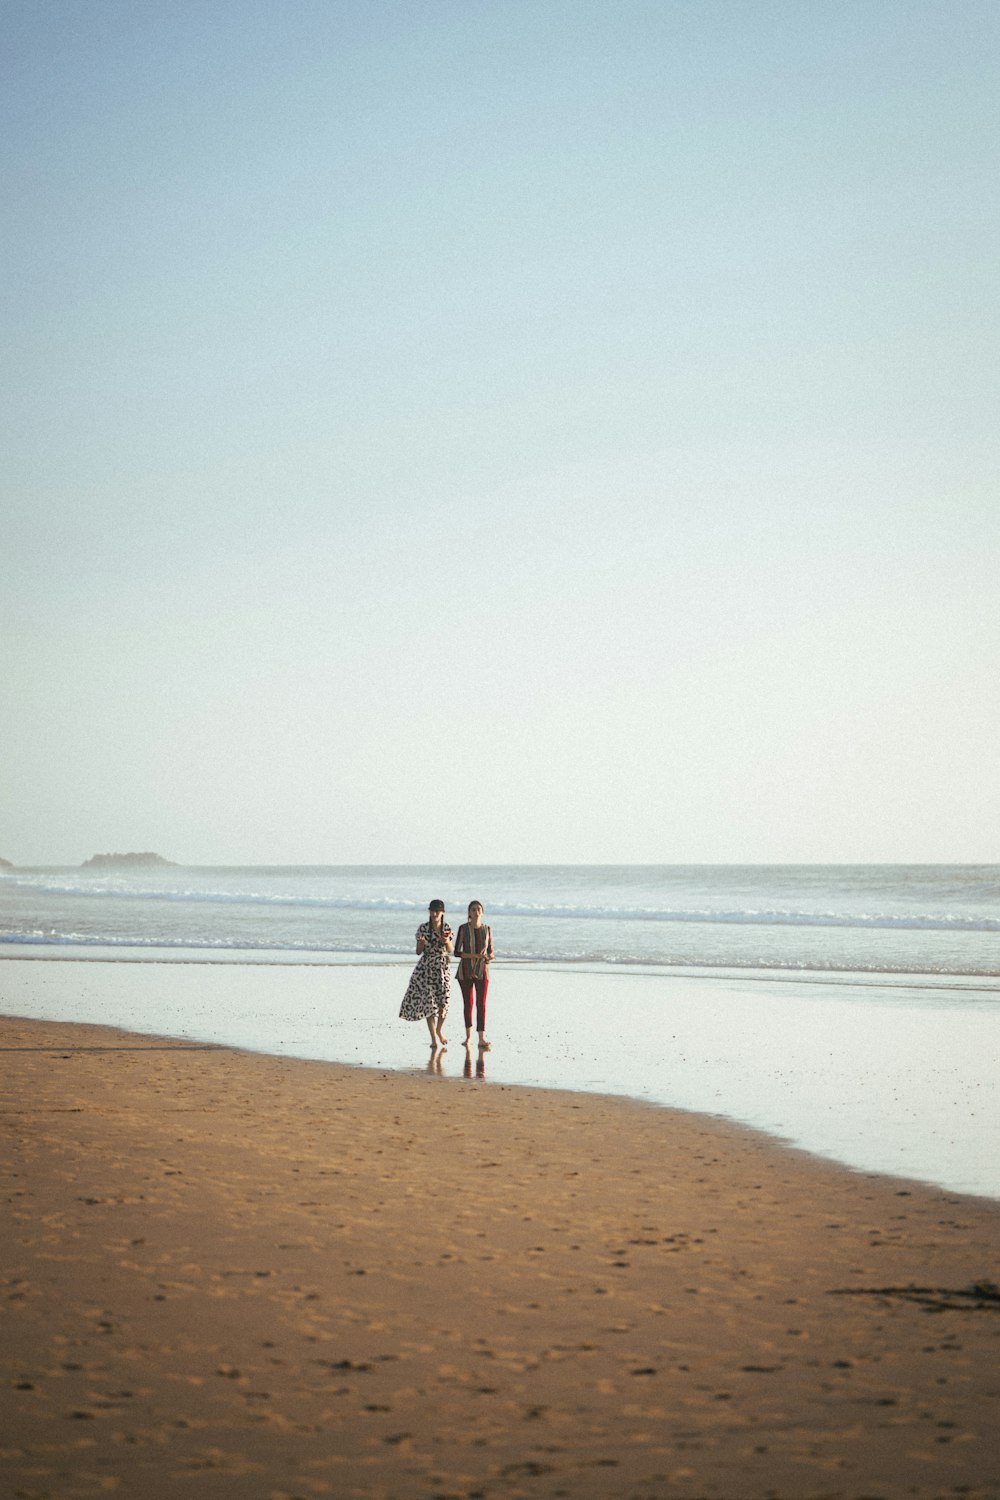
(943, 920)
(752, 916)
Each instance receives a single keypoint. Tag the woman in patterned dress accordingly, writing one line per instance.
(426, 997)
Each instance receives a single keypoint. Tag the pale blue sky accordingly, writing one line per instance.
(591, 407)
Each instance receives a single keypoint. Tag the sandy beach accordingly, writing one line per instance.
(229, 1274)
(896, 1076)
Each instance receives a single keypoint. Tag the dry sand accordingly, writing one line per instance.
(227, 1274)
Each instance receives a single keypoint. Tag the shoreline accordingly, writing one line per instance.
(433, 1067)
(987, 980)
(895, 1079)
(267, 1275)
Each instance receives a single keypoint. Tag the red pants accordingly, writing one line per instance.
(478, 988)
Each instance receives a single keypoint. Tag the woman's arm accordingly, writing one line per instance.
(489, 945)
(421, 940)
(446, 939)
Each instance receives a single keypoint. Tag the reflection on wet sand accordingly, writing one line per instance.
(480, 1070)
(470, 1069)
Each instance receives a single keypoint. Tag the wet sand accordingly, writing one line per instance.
(898, 1078)
(228, 1274)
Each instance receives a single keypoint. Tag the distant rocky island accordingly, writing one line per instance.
(5, 864)
(124, 861)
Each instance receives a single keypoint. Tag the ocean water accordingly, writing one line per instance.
(925, 919)
(852, 1011)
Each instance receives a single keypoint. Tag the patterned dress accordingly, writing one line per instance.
(430, 983)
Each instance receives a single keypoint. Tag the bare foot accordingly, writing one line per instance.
(484, 1045)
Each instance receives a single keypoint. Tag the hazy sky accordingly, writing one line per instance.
(500, 430)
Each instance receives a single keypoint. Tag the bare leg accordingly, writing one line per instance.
(484, 1045)
(432, 1028)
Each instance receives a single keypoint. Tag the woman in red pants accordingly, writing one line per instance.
(474, 951)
